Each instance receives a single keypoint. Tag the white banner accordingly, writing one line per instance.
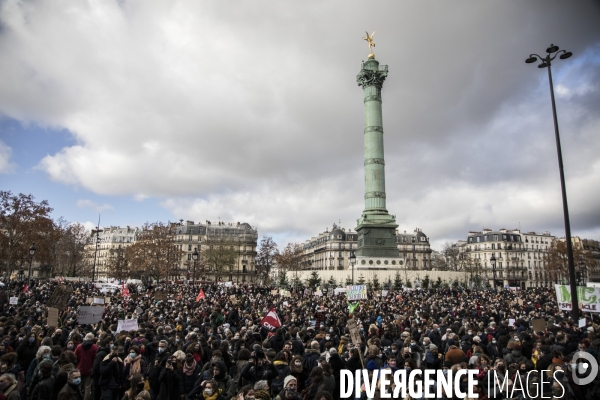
(89, 315)
(127, 325)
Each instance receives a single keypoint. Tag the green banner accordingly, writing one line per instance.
(587, 297)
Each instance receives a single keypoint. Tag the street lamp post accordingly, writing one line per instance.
(352, 262)
(493, 262)
(239, 256)
(195, 258)
(31, 254)
(546, 63)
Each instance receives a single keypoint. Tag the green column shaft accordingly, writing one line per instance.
(374, 158)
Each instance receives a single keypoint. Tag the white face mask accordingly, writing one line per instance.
(208, 391)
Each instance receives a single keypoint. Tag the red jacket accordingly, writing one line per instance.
(86, 352)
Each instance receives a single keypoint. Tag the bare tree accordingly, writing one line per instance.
(22, 222)
(290, 259)
(557, 262)
(218, 255)
(154, 252)
(267, 251)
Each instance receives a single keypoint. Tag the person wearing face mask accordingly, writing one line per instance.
(134, 363)
(290, 390)
(190, 372)
(154, 369)
(27, 350)
(8, 387)
(298, 372)
(86, 353)
(72, 390)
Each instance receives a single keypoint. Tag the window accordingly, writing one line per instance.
(189, 257)
(189, 247)
(493, 246)
(495, 237)
(478, 238)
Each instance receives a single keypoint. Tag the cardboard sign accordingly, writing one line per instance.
(274, 292)
(52, 317)
(160, 296)
(60, 297)
(127, 325)
(539, 325)
(357, 292)
(14, 300)
(89, 315)
(354, 334)
(520, 301)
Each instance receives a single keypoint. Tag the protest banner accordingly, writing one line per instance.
(127, 325)
(89, 315)
(587, 297)
(539, 325)
(356, 292)
(52, 317)
(14, 300)
(60, 297)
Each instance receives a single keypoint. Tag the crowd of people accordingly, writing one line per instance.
(213, 347)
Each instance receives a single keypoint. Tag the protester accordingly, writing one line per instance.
(283, 346)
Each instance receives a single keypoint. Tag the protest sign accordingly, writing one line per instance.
(52, 317)
(139, 311)
(14, 300)
(356, 292)
(582, 323)
(60, 297)
(384, 293)
(98, 300)
(511, 322)
(539, 325)
(587, 297)
(89, 314)
(354, 334)
(274, 292)
(127, 325)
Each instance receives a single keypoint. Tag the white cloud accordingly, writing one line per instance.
(6, 166)
(252, 113)
(81, 203)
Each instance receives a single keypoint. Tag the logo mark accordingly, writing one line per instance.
(589, 368)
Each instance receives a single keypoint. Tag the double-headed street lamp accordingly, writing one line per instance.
(31, 254)
(493, 262)
(553, 52)
(352, 262)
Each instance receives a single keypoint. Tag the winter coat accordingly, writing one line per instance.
(311, 359)
(169, 381)
(86, 353)
(111, 373)
(43, 390)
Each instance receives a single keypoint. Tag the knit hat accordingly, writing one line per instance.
(372, 366)
(288, 379)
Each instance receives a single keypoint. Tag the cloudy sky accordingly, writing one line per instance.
(249, 111)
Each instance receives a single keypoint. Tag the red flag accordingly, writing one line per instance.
(26, 288)
(271, 320)
(124, 290)
(200, 295)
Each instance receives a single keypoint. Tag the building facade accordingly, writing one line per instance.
(193, 237)
(331, 250)
(108, 243)
(520, 258)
